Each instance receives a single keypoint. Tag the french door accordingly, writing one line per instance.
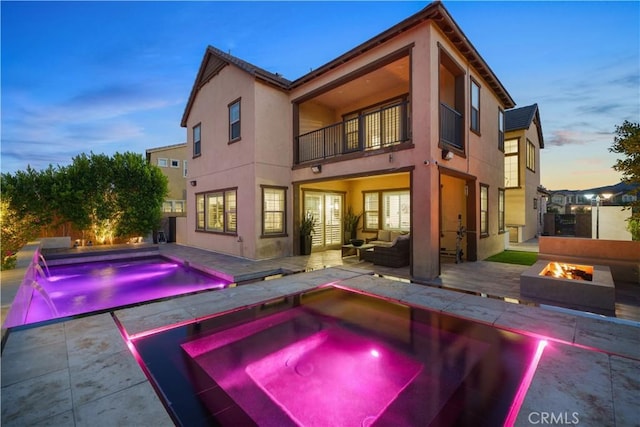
(326, 208)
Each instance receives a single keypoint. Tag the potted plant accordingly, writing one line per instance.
(306, 230)
(351, 221)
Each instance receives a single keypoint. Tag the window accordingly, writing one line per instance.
(196, 141)
(395, 213)
(531, 156)
(475, 107)
(511, 168)
(216, 211)
(167, 206)
(484, 210)
(501, 227)
(274, 211)
(371, 211)
(234, 120)
(184, 168)
(162, 162)
(500, 130)
(175, 163)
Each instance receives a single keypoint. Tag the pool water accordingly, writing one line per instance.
(76, 289)
(336, 357)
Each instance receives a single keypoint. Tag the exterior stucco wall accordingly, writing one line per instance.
(177, 182)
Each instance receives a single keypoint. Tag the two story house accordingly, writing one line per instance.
(522, 145)
(406, 128)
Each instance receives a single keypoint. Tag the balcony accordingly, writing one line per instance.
(451, 127)
(380, 128)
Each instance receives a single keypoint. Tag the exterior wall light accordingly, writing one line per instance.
(316, 168)
(447, 155)
(193, 183)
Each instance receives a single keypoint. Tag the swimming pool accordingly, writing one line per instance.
(71, 290)
(336, 357)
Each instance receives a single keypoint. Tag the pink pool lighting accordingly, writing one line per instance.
(78, 289)
(335, 357)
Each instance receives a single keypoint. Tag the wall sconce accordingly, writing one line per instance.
(316, 168)
(193, 183)
(447, 155)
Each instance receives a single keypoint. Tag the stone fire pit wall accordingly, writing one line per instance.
(598, 295)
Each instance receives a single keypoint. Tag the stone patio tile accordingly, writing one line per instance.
(134, 323)
(625, 377)
(477, 308)
(64, 419)
(570, 381)
(610, 336)
(433, 298)
(91, 324)
(538, 321)
(19, 341)
(103, 376)
(36, 399)
(135, 406)
(376, 285)
(22, 364)
(95, 342)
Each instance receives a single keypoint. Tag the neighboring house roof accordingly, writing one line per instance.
(215, 60)
(166, 147)
(521, 119)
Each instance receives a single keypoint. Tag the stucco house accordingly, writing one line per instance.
(172, 161)
(524, 200)
(406, 128)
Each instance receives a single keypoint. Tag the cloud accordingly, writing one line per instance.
(560, 137)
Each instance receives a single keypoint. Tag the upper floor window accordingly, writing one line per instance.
(234, 120)
(163, 163)
(216, 211)
(500, 130)
(484, 210)
(196, 140)
(184, 168)
(531, 156)
(511, 162)
(175, 163)
(274, 211)
(475, 107)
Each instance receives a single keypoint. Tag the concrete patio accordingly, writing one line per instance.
(80, 372)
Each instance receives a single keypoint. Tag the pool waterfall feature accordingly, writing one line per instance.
(93, 282)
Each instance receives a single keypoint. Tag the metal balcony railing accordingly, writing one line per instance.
(451, 127)
(381, 128)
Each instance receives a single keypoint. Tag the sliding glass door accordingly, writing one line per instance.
(327, 209)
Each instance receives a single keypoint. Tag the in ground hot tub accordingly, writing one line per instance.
(582, 287)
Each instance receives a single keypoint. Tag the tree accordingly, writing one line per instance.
(627, 142)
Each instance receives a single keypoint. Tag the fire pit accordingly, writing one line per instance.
(582, 287)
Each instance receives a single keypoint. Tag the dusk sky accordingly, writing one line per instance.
(115, 76)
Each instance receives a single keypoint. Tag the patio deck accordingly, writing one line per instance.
(80, 372)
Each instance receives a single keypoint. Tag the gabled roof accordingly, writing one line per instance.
(214, 61)
(521, 119)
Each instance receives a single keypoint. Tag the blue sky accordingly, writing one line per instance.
(115, 76)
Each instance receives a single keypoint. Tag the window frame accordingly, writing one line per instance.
(484, 223)
(501, 129)
(163, 162)
(508, 155)
(531, 156)
(381, 209)
(202, 211)
(501, 211)
(184, 169)
(474, 84)
(197, 144)
(175, 162)
(283, 233)
(235, 124)
(366, 213)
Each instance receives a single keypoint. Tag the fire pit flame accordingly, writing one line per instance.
(568, 271)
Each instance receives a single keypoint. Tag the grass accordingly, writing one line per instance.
(515, 257)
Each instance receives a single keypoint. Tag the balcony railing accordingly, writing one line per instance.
(384, 127)
(450, 127)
